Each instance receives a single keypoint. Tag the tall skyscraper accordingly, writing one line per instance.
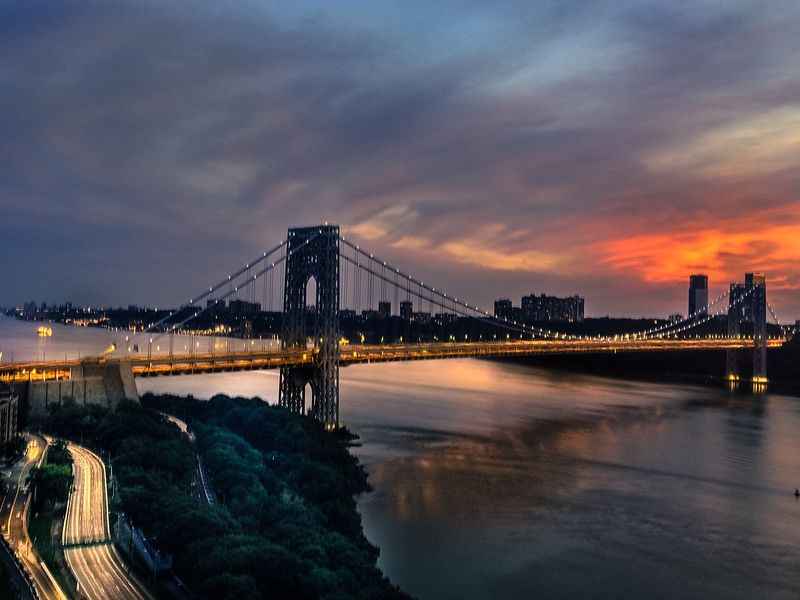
(698, 294)
(385, 309)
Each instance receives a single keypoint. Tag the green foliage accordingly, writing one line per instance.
(291, 486)
(52, 483)
(286, 525)
(58, 454)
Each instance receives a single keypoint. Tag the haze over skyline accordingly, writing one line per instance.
(608, 149)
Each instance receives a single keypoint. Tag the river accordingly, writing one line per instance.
(495, 480)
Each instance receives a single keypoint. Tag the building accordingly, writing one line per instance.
(241, 308)
(406, 310)
(552, 308)
(385, 309)
(29, 310)
(9, 414)
(422, 317)
(215, 307)
(698, 295)
(444, 319)
(675, 318)
(503, 308)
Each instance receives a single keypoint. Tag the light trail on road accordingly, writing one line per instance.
(14, 516)
(210, 362)
(89, 551)
(200, 483)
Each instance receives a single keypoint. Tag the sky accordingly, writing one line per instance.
(606, 148)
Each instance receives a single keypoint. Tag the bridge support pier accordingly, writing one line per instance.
(754, 311)
(759, 312)
(732, 356)
(312, 253)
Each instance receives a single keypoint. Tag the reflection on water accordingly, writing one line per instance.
(501, 481)
(590, 489)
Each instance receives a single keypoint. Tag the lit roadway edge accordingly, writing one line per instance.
(13, 516)
(88, 548)
(200, 473)
(254, 358)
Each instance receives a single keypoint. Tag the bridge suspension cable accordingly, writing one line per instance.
(448, 302)
(227, 281)
(439, 298)
(683, 323)
(431, 299)
(786, 330)
(381, 275)
(249, 281)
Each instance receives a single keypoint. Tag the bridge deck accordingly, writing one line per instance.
(176, 364)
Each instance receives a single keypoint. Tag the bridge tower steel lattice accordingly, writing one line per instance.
(759, 312)
(312, 252)
(753, 310)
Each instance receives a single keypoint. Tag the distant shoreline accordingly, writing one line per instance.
(687, 367)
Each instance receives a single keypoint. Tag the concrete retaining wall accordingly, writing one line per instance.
(106, 384)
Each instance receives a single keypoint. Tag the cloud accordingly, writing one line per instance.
(494, 147)
(768, 242)
(757, 145)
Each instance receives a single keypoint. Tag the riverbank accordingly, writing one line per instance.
(285, 524)
(684, 367)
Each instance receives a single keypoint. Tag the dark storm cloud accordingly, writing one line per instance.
(517, 143)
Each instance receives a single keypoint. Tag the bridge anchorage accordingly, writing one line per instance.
(312, 253)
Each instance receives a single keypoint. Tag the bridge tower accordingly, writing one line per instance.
(753, 310)
(312, 252)
(758, 282)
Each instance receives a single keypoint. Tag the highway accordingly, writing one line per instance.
(196, 363)
(94, 561)
(14, 518)
(200, 485)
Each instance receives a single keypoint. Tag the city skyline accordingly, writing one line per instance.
(608, 150)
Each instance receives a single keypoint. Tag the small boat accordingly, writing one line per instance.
(45, 331)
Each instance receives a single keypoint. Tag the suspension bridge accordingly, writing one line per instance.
(316, 276)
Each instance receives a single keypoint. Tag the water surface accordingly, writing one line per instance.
(502, 481)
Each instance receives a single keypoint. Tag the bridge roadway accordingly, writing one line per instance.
(197, 363)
